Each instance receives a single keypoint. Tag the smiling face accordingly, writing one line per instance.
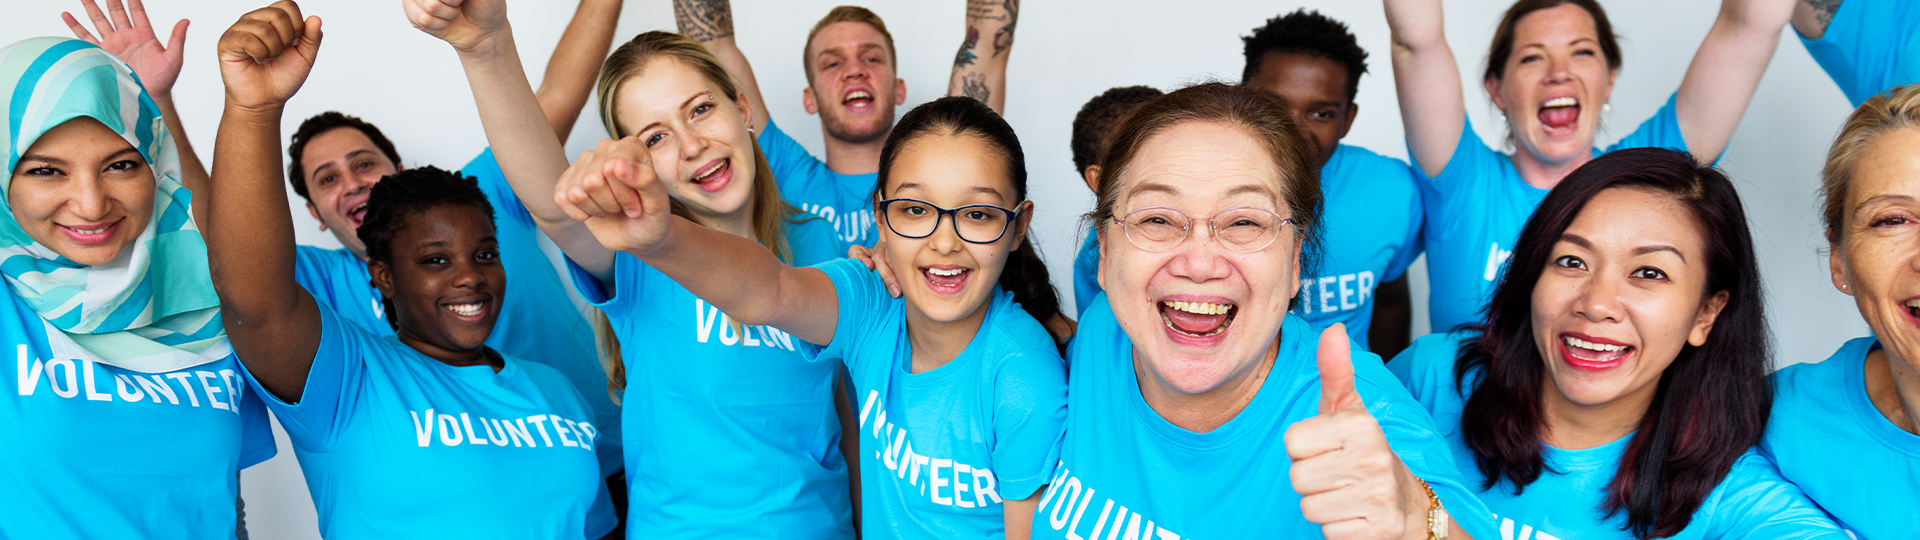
(853, 87)
(445, 279)
(696, 137)
(1623, 292)
(1554, 84)
(1316, 92)
(82, 192)
(951, 279)
(1200, 315)
(1878, 257)
(342, 165)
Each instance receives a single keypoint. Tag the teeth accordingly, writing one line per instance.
(859, 94)
(89, 231)
(1576, 342)
(1914, 303)
(945, 272)
(1201, 308)
(704, 175)
(357, 208)
(464, 310)
(1560, 102)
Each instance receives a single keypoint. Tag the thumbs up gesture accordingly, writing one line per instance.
(464, 24)
(267, 54)
(1350, 481)
(614, 190)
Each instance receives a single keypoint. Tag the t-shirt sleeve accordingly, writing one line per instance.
(1660, 131)
(794, 169)
(1029, 416)
(1410, 432)
(1860, 49)
(1754, 501)
(859, 292)
(256, 433)
(1472, 161)
(506, 204)
(332, 388)
(629, 274)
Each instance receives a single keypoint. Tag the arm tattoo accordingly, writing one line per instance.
(704, 20)
(966, 57)
(1823, 10)
(1003, 38)
(974, 85)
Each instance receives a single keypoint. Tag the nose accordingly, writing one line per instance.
(470, 276)
(946, 235)
(1557, 70)
(1199, 258)
(1599, 301)
(692, 144)
(89, 201)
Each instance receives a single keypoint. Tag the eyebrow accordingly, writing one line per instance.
(1570, 43)
(1642, 250)
(1883, 198)
(350, 155)
(61, 162)
(484, 242)
(975, 189)
(1161, 187)
(683, 105)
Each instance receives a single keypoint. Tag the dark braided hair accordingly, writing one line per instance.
(1100, 117)
(1025, 274)
(1312, 34)
(403, 194)
(322, 123)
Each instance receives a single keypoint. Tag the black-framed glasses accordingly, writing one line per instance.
(975, 223)
(1243, 229)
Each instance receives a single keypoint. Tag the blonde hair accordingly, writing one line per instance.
(1895, 109)
(770, 212)
(846, 14)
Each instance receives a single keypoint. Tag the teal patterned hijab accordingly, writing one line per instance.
(151, 309)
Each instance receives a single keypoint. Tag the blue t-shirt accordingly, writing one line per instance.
(538, 321)
(1752, 501)
(729, 433)
(1371, 235)
(1125, 468)
(395, 444)
(948, 445)
(90, 450)
(1822, 412)
(844, 200)
(1476, 208)
(1870, 46)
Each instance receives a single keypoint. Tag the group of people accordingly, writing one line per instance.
(1600, 366)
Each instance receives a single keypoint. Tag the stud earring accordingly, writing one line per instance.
(1606, 107)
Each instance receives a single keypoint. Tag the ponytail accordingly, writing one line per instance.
(1026, 277)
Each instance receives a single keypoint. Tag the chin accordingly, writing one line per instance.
(1189, 373)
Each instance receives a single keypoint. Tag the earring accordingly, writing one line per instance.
(1843, 286)
(1606, 107)
(1500, 116)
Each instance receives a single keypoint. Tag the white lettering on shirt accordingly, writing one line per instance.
(707, 319)
(1526, 532)
(1336, 293)
(83, 379)
(458, 430)
(1495, 258)
(1064, 506)
(847, 226)
(949, 482)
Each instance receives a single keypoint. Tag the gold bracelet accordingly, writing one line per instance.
(1436, 515)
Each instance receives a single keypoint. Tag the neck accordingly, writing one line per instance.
(476, 356)
(1544, 174)
(1575, 426)
(1894, 388)
(1208, 410)
(936, 342)
(845, 157)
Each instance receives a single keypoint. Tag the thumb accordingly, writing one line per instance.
(177, 42)
(309, 45)
(1335, 358)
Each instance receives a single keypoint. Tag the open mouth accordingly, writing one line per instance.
(1559, 115)
(946, 279)
(357, 214)
(1197, 319)
(93, 234)
(858, 100)
(1593, 355)
(472, 311)
(715, 176)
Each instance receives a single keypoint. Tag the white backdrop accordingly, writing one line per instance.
(374, 65)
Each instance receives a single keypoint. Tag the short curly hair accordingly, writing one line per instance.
(1099, 117)
(322, 123)
(1309, 33)
(400, 196)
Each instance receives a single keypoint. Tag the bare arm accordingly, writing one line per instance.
(575, 64)
(129, 36)
(1811, 17)
(1019, 515)
(1427, 79)
(273, 324)
(1725, 72)
(710, 22)
(530, 155)
(980, 67)
(1392, 326)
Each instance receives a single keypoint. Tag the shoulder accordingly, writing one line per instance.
(1812, 380)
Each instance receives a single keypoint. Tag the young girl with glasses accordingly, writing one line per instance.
(960, 393)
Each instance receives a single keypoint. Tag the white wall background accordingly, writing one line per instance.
(374, 65)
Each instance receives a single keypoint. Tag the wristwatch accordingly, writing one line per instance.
(1437, 518)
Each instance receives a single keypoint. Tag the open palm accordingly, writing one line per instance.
(125, 32)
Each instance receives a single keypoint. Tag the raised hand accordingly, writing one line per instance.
(129, 36)
(613, 189)
(1350, 481)
(464, 24)
(267, 54)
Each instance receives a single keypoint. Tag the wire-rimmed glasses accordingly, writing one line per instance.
(1242, 229)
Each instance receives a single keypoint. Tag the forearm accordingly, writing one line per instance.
(529, 154)
(1726, 71)
(1019, 515)
(980, 66)
(744, 280)
(193, 173)
(575, 64)
(710, 22)
(250, 249)
(1427, 82)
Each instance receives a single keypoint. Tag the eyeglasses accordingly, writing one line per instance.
(1243, 229)
(975, 223)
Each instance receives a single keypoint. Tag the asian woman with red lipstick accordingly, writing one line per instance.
(1550, 71)
(1618, 384)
